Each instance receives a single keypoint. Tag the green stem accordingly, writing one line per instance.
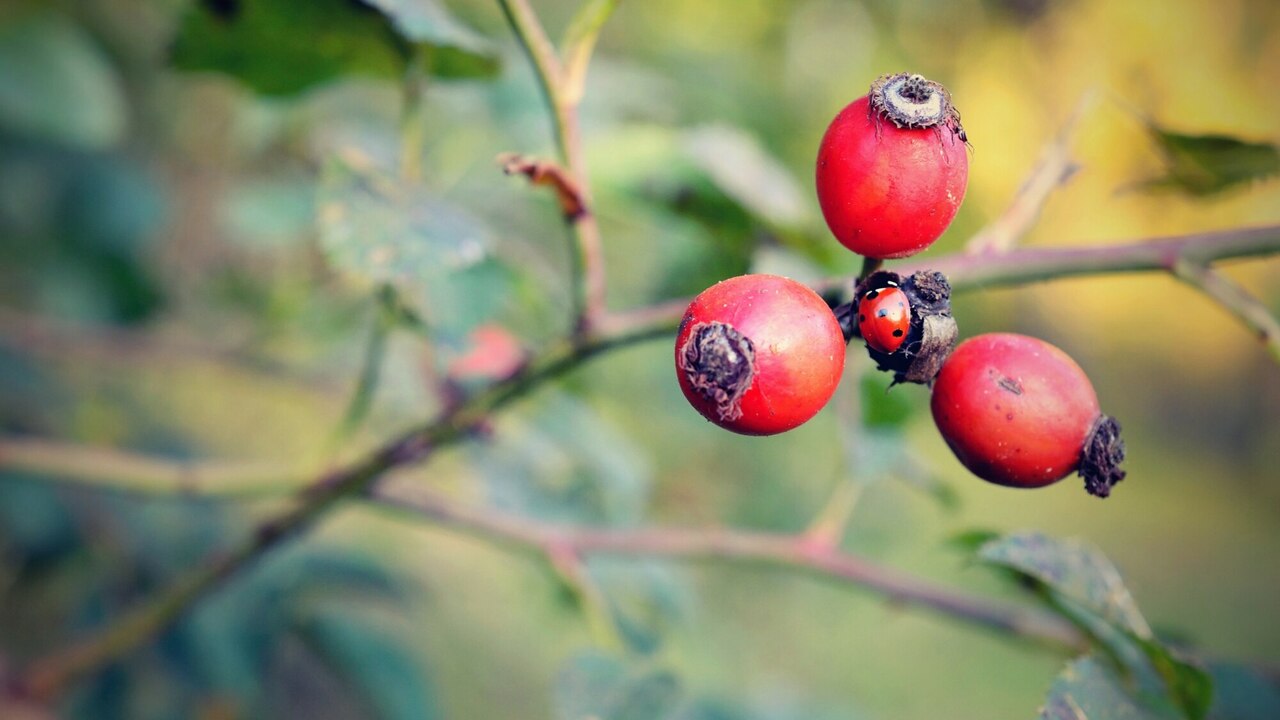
(413, 128)
(587, 275)
(869, 265)
(361, 401)
(1027, 265)
(546, 65)
(1235, 299)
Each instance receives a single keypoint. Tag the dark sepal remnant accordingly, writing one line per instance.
(720, 364)
(1103, 453)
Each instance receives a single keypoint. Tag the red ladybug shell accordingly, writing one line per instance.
(884, 319)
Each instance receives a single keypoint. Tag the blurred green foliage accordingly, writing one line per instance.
(202, 203)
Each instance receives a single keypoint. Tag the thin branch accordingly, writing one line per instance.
(50, 674)
(542, 55)
(120, 471)
(787, 552)
(47, 676)
(587, 254)
(1028, 265)
(1052, 169)
(966, 273)
(1247, 309)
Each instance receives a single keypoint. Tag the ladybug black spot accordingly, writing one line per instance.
(882, 313)
(897, 333)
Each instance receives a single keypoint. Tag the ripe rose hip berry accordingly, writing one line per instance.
(893, 167)
(1019, 412)
(759, 354)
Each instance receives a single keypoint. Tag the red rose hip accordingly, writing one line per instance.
(893, 167)
(1019, 412)
(759, 354)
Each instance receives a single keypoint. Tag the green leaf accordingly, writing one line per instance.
(286, 46)
(1089, 690)
(272, 213)
(1203, 165)
(1073, 570)
(57, 84)
(646, 598)
(565, 462)
(1241, 693)
(1085, 587)
(1190, 687)
(457, 51)
(379, 229)
(361, 402)
(593, 686)
(232, 635)
(428, 21)
(971, 540)
(374, 654)
(744, 171)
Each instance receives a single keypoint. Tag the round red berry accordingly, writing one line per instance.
(893, 167)
(1018, 411)
(884, 318)
(759, 354)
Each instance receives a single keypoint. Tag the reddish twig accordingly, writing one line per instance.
(792, 552)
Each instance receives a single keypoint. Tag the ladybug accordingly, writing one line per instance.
(884, 318)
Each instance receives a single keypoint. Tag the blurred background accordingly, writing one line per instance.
(207, 210)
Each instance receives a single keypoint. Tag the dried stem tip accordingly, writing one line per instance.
(720, 363)
(914, 102)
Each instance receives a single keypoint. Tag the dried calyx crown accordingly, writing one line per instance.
(912, 101)
(720, 364)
